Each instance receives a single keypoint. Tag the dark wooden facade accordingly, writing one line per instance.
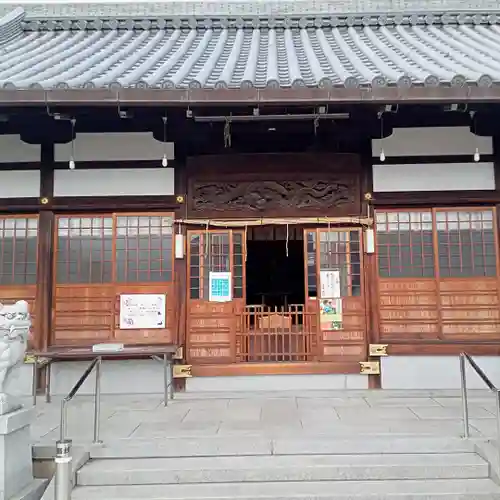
(413, 300)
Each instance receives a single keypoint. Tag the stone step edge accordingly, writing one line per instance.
(217, 446)
(460, 489)
(334, 474)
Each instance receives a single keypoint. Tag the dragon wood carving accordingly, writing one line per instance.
(270, 196)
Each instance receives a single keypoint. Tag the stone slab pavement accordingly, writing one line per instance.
(270, 415)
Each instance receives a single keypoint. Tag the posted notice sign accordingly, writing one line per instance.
(220, 287)
(142, 311)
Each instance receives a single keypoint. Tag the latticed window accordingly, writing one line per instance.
(312, 281)
(464, 240)
(215, 252)
(106, 249)
(18, 249)
(340, 250)
(194, 266)
(217, 257)
(405, 244)
(84, 250)
(466, 243)
(143, 249)
(238, 265)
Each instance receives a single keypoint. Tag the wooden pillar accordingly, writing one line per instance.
(180, 265)
(496, 166)
(43, 313)
(370, 261)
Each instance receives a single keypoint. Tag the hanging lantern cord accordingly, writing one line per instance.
(381, 118)
(164, 160)
(72, 157)
(227, 133)
(287, 238)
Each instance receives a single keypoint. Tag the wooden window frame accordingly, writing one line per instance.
(435, 243)
(495, 244)
(202, 235)
(113, 216)
(25, 217)
(335, 229)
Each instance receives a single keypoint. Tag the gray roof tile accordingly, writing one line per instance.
(305, 52)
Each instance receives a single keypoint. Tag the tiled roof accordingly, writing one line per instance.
(80, 9)
(305, 52)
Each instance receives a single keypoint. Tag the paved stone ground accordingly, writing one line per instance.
(269, 415)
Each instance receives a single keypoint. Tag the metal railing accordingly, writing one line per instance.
(63, 459)
(464, 357)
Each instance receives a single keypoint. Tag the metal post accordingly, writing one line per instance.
(63, 463)
(165, 379)
(497, 398)
(34, 381)
(48, 373)
(97, 400)
(465, 407)
(171, 376)
(62, 423)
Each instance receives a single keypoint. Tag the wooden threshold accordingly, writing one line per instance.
(240, 369)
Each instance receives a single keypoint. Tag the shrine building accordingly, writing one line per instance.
(288, 191)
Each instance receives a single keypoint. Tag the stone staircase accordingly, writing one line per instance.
(306, 468)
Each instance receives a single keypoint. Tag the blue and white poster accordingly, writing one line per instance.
(220, 287)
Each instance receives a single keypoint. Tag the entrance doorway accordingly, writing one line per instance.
(271, 307)
(274, 322)
(275, 267)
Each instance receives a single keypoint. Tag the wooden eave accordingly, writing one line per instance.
(239, 97)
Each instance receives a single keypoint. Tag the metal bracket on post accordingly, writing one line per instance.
(369, 368)
(377, 350)
(64, 467)
(182, 371)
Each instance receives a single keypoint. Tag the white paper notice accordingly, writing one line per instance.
(330, 284)
(142, 311)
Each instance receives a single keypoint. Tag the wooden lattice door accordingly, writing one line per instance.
(335, 290)
(216, 294)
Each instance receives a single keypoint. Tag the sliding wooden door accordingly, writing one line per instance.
(216, 294)
(335, 291)
(438, 275)
(98, 259)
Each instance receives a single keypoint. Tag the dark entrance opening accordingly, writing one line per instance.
(275, 325)
(275, 268)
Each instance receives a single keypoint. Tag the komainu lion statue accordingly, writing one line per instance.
(15, 325)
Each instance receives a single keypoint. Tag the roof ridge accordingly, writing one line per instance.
(277, 21)
(235, 8)
(11, 25)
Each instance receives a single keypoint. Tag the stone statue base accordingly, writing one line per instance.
(9, 404)
(16, 468)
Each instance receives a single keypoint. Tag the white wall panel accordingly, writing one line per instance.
(131, 146)
(434, 372)
(432, 141)
(19, 183)
(434, 177)
(114, 182)
(14, 150)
